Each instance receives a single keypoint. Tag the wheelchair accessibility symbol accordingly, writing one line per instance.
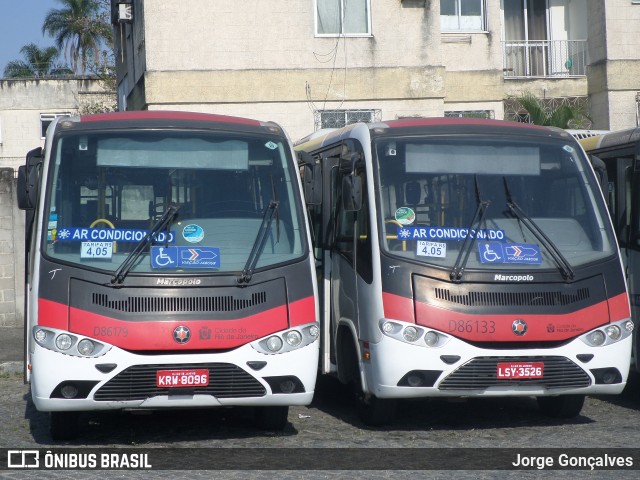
(490, 255)
(180, 256)
(496, 252)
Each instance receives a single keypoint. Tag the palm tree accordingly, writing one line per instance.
(37, 63)
(79, 29)
(560, 116)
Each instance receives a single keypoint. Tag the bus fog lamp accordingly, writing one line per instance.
(63, 342)
(613, 332)
(287, 386)
(293, 338)
(431, 338)
(40, 335)
(274, 343)
(69, 391)
(86, 347)
(410, 334)
(628, 326)
(597, 337)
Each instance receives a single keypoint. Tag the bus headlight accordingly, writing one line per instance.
(608, 334)
(293, 338)
(61, 341)
(64, 341)
(288, 340)
(85, 347)
(274, 343)
(431, 338)
(409, 333)
(613, 332)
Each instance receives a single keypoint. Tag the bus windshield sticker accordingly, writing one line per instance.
(447, 233)
(496, 252)
(405, 216)
(53, 221)
(431, 249)
(190, 257)
(109, 235)
(271, 145)
(96, 250)
(193, 233)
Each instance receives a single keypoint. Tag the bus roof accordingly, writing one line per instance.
(612, 139)
(165, 115)
(446, 125)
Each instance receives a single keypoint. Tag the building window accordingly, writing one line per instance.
(470, 114)
(343, 17)
(341, 118)
(46, 119)
(462, 15)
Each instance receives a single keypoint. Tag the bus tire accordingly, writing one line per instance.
(272, 418)
(562, 406)
(376, 412)
(63, 425)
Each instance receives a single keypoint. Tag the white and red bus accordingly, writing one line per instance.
(168, 265)
(465, 257)
(618, 155)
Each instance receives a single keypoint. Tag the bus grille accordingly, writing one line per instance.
(480, 373)
(139, 382)
(148, 304)
(515, 298)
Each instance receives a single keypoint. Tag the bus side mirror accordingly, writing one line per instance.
(311, 178)
(28, 180)
(351, 193)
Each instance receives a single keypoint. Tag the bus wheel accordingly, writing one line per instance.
(374, 411)
(64, 425)
(271, 418)
(562, 406)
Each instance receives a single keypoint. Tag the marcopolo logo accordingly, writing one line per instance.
(512, 278)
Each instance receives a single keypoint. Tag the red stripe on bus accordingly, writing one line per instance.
(159, 335)
(53, 314)
(302, 311)
(508, 328)
(619, 307)
(398, 307)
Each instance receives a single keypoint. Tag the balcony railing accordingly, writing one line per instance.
(544, 58)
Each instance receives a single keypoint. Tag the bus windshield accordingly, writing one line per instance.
(518, 204)
(107, 190)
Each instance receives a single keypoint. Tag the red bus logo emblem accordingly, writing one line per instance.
(181, 334)
(519, 327)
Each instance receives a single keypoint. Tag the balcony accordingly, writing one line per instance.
(544, 58)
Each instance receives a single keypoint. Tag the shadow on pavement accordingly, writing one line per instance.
(441, 414)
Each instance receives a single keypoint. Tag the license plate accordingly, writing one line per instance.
(182, 378)
(509, 370)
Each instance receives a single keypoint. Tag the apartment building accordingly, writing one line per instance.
(311, 64)
(29, 105)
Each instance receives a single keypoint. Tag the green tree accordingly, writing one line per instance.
(37, 63)
(79, 28)
(560, 116)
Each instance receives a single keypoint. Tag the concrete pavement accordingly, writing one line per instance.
(11, 347)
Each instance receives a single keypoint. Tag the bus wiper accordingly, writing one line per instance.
(164, 221)
(563, 265)
(259, 242)
(469, 240)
